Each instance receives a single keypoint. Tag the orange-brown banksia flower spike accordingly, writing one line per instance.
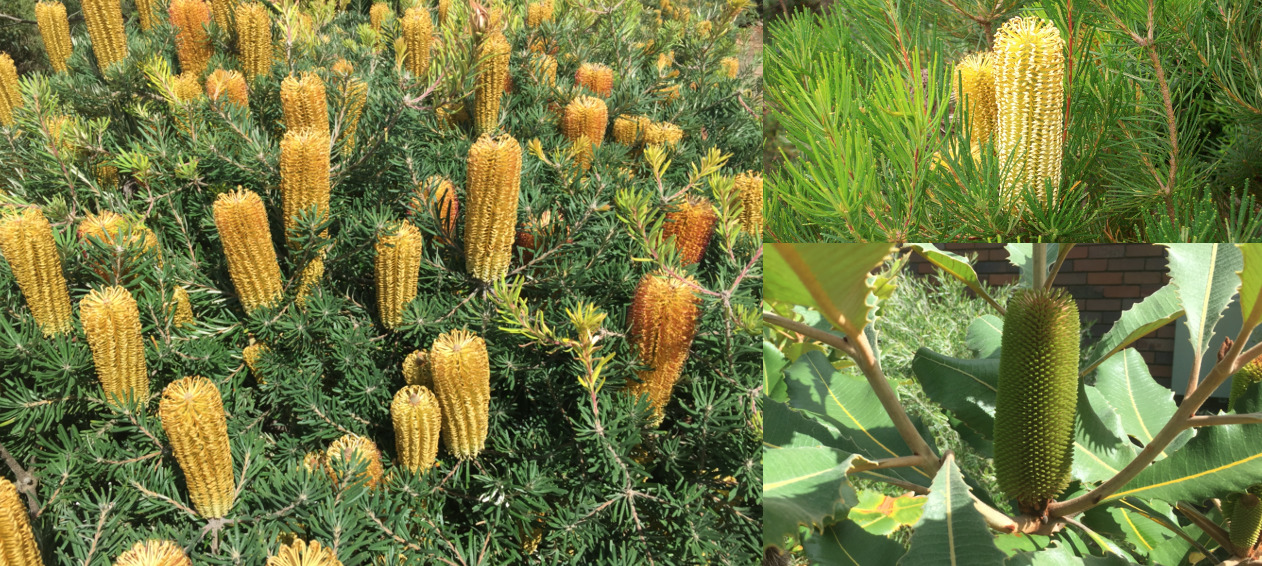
(398, 267)
(17, 542)
(254, 39)
(105, 26)
(418, 31)
(462, 381)
(26, 240)
(692, 225)
(192, 41)
(154, 553)
(596, 78)
(247, 243)
(193, 417)
(353, 448)
(491, 218)
(493, 53)
(54, 28)
(417, 424)
(111, 323)
(304, 104)
(663, 323)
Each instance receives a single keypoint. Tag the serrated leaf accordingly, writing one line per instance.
(1099, 453)
(845, 544)
(1155, 311)
(1142, 404)
(803, 486)
(1218, 460)
(951, 531)
(985, 336)
(1022, 256)
(834, 279)
(953, 264)
(1250, 284)
(784, 427)
(773, 363)
(1205, 278)
(881, 514)
(964, 387)
(1062, 555)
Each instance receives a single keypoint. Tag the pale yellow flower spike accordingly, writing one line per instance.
(1029, 64)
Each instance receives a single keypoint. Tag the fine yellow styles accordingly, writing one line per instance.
(26, 240)
(111, 323)
(462, 381)
(303, 102)
(197, 429)
(749, 188)
(418, 30)
(10, 94)
(417, 424)
(416, 370)
(54, 28)
(181, 308)
(247, 243)
(493, 52)
(154, 553)
(17, 542)
(190, 18)
(304, 175)
(585, 116)
(300, 553)
(254, 39)
(974, 90)
(663, 319)
(354, 450)
(490, 226)
(398, 267)
(1029, 65)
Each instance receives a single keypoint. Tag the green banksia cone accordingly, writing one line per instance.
(247, 243)
(304, 104)
(417, 423)
(181, 308)
(1029, 66)
(596, 78)
(111, 323)
(416, 370)
(418, 32)
(1246, 521)
(304, 175)
(154, 553)
(193, 417)
(692, 226)
(346, 452)
(663, 320)
(192, 40)
(299, 553)
(254, 39)
(494, 184)
(54, 28)
(749, 189)
(227, 86)
(585, 116)
(1037, 396)
(1249, 374)
(10, 95)
(397, 269)
(462, 381)
(105, 26)
(17, 543)
(974, 89)
(493, 52)
(26, 240)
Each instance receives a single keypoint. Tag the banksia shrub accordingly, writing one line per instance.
(230, 85)
(17, 542)
(247, 243)
(26, 240)
(416, 370)
(398, 266)
(691, 223)
(355, 95)
(974, 89)
(193, 418)
(304, 175)
(299, 553)
(10, 95)
(154, 553)
(438, 196)
(105, 26)
(749, 188)
(181, 308)
(1029, 72)
(1246, 521)
(352, 450)
(493, 52)
(596, 78)
(418, 31)
(192, 40)
(1037, 396)
(1249, 374)
(462, 381)
(254, 39)
(491, 217)
(304, 103)
(663, 320)
(585, 116)
(54, 28)
(417, 423)
(111, 323)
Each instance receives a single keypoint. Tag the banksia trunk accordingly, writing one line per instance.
(438, 196)
(749, 188)
(378, 14)
(1246, 521)
(397, 269)
(731, 66)
(54, 28)
(354, 450)
(17, 542)
(228, 85)
(416, 370)
(418, 31)
(304, 175)
(585, 116)
(692, 225)
(1249, 374)
(491, 217)
(417, 423)
(664, 134)
(254, 39)
(247, 242)
(192, 41)
(1037, 397)
(493, 53)
(355, 95)
(193, 417)
(181, 308)
(1030, 99)
(222, 10)
(104, 19)
(304, 104)
(299, 553)
(26, 240)
(629, 130)
(154, 553)
(462, 381)
(663, 322)
(596, 78)
(111, 323)
(974, 89)
(10, 94)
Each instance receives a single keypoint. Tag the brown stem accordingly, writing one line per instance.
(1216, 420)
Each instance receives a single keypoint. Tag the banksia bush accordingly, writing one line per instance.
(462, 381)
(17, 543)
(663, 319)
(247, 242)
(749, 187)
(10, 95)
(418, 31)
(26, 240)
(229, 85)
(105, 26)
(417, 424)
(154, 553)
(397, 268)
(350, 451)
(111, 323)
(493, 52)
(1029, 66)
(416, 370)
(585, 116)
(691, 224)
(54, 28)
(190, 18)
(254, 39)
(491, 217)
(300, 553)
(304, 175)
(193, 417)
(596, 78)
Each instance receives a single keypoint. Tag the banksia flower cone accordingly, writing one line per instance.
(664, 134)
(193, 417)
(379, 13)
(438, 195)
(222, 10)
(304, 104)
(1037, 397)
(692, 225)
(397, 268)
(974, 89)
(491, 217)
(493, 53)
(26, 240)
(630, 130)
(354, 450)
(545, 68)
(111, 323)
(418, 31)
(187, 87)
(112, 229)
(10, 95)
(538, 12)
(308, 279)
(462, 381)
(192, 41)
(247, 243)
(251, 355)
(299, 553)
(1246, 521)
(749, 188)
(254, 39)
(417, 423)
(731, 66)
(105, 26)
(181, 308)
(17, 543)
(416, 370)
(228, 85)
(585, 116)
(1249, 374)
(355, 95)
(1029, 65)
(54, 28)
(304, 175)
(154, 553)
(663, 323)
(596, 78)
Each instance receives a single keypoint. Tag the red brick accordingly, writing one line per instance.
(1160, 371)
(1145, 250)
(1155, 264)
(998, 279)
(1066, 279)
(1090, 265)
(1105, 278)
(1106, 250)
(1126, 264)
(1120, 291)
(1106, 305)
(1142, 277)
(1077, 252)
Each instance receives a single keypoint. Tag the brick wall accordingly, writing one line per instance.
(1105, 279)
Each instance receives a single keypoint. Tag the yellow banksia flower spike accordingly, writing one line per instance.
(493, 186)
(596, 78)
(228, 85)
(443, 7)
(308, 279)
(247, 242)
(1029, 67)
(418, 31)
(462, 381)
(397, 269)
(545, 68)
(17, 542)
(254, 39)
(731, 66)
(342, 67)
(181, 308)
(111, 323)
(493, 54)
(300, 553)
(304, 104)
(304, 174)
(582, 152)
(663, 133)
(113, 229)
(437, 194)
(251, 355)
(192, 41)
(538, 12)
(692, 225)
(585, 116)
(222, 11)
(187, 87)
(10, 94)
(54, 28)
(193, 417)
(416, 370)
(355, 95)
(417, 424)
(629, 130)
(106, 176)
(749, 189)
(154, 553)
(104, 19)
(144, 10)
(974, 83)
(350, 448)
(26, 240)
(663, 322)
(379, 14)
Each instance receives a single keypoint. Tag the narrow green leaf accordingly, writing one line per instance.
(951, 532)
(1143, 405)
(803, 486)
(1250, 284)
(952, 264)
(1155, 311)
(846, 544)
(985, 336)
(1205, 278)
(834, 279)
